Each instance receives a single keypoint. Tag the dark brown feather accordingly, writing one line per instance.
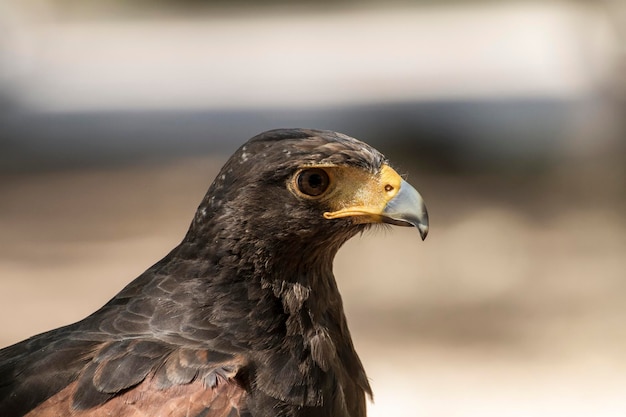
(243, 318)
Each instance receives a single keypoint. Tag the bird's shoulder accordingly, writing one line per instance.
(145, 339)
(70, 373)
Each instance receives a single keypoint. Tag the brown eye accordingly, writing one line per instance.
(313, 181)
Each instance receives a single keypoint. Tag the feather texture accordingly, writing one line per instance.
(243, 318)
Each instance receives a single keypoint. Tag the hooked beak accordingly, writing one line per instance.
(407, 208)
(385, 198)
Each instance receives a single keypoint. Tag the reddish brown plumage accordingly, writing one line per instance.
(145, 400)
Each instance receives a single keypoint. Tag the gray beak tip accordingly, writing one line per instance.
(423, 229)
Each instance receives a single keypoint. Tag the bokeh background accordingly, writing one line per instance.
(508, 116)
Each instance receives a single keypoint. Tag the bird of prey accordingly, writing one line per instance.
(243, 317)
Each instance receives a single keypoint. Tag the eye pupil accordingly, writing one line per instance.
(313, 182)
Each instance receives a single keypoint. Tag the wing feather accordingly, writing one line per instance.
(146, 400)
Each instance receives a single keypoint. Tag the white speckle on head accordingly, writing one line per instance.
(214, 203)
(222, 177)
(244, 155)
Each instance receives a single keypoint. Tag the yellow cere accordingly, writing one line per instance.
(358, 193)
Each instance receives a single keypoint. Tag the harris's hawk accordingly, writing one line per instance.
(243, 317)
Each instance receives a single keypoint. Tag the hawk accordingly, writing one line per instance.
(243, 317)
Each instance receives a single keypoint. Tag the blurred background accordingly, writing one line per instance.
(508, 116)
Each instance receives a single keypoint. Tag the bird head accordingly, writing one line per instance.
(306, 189)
